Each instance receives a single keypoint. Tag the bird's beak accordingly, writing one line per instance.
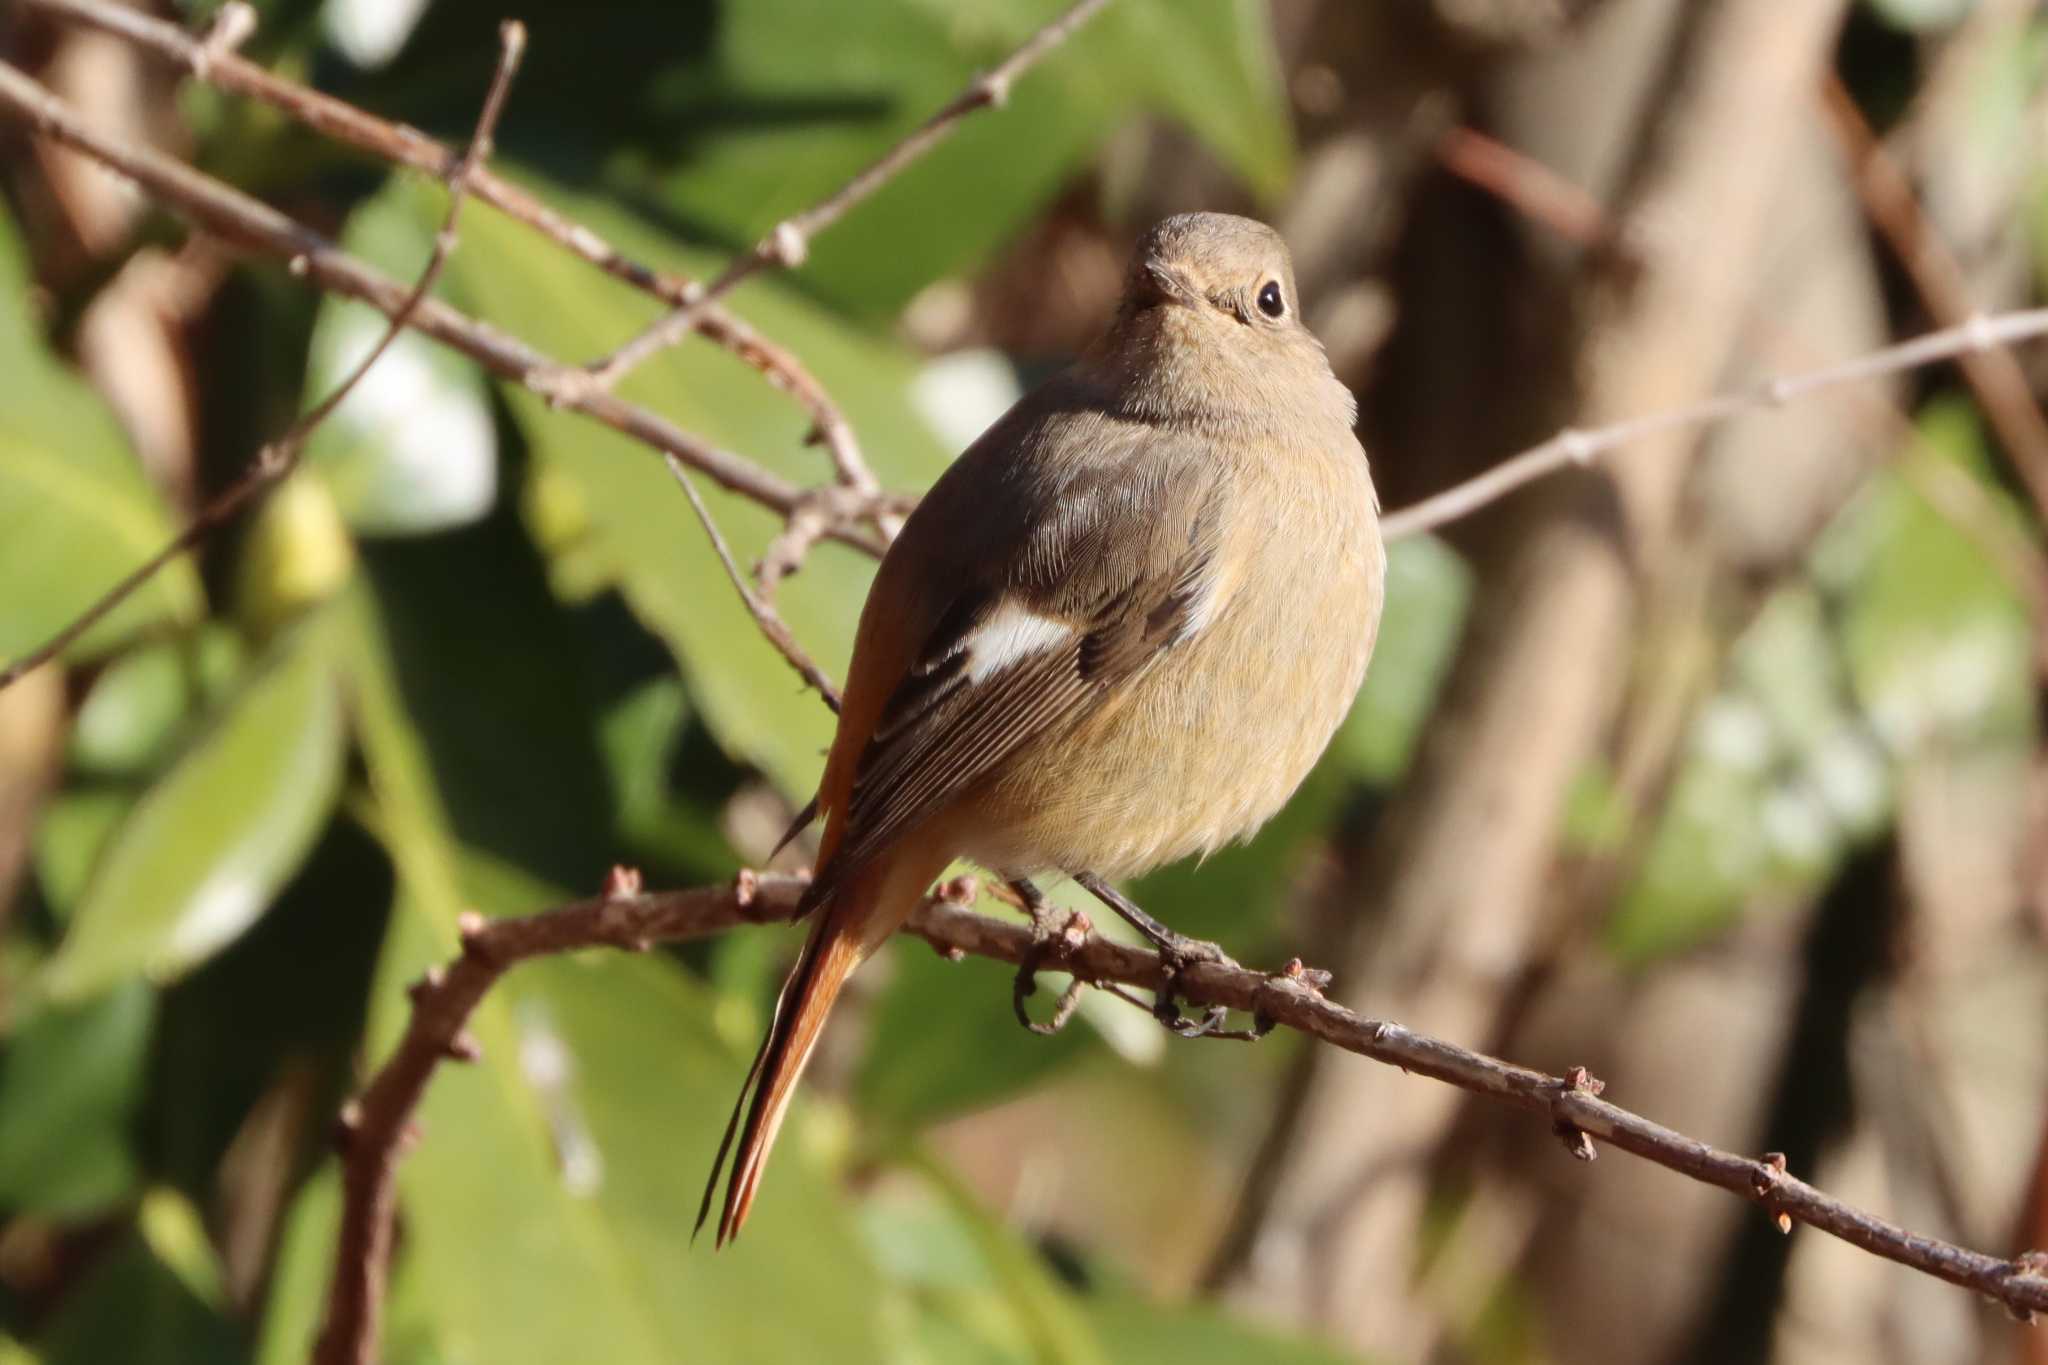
(1161, 283)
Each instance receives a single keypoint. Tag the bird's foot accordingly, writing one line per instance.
(1177, 954)
(1047, 941)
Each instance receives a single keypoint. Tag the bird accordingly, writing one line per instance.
(1117, 632)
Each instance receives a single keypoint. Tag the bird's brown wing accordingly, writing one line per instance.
(1114, 576)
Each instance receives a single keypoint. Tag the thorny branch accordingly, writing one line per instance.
(252, 225)
(277, 459)
(376, 1124)
(402, 145)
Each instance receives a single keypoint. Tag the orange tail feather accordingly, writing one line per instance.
(856, 916)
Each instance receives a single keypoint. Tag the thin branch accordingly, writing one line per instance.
(1994, 376)
(278, 458)
(406, 146)
(1539, 193)
(252, 225)
(789, 242)
(1975, 336)
(376, 1124)
(765, 616)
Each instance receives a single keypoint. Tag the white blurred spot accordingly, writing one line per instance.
(225, 904)
(545, 1061)
(370, 32)
(1852, 778)
(1797, 825)
(962, 393)
(1734, 733)
(421, 453)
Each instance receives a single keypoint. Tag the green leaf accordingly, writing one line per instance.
(71, 836)
(70, 1083)
(996, 1285)
(913, 1073)
(140, 705)
(134, 1309)
(639, 532)
(567, 1161)
(300, 1275)
(1137, 1331)
(872, 73)
(1429, 588)
(1938, 643)
(76, 512)
(209, 845)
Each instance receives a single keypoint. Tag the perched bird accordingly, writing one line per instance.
(1118, 631)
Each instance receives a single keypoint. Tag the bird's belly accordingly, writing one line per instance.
(1199, 750)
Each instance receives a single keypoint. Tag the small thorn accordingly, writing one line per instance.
(961, 890)
(429, 981)
(347, 1124)
(745, 887)
(468, 925)
(1784, 1222)
(464, 1047)
(951, 954)
(1314, 979)
(410, 1136)
(299, 264)
(623, 882)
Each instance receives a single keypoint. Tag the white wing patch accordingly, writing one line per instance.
(1012, 632)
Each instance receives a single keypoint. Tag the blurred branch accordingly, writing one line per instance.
(376, 1127)
(405, 146)
(1976, 336)
(1533, 189)
(789, 242)
(251, 225)
(1995, 377)
(277, 459)
(765, 616)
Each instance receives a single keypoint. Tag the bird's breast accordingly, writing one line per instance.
(1208, 741)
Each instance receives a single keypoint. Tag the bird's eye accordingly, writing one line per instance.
(1270, 301)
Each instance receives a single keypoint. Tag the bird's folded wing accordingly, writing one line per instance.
(1121, 576)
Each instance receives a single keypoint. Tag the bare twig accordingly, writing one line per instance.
(1571, 447)
(789, 242)
(278, 458)
(406, 146)
(251, 225)
(1993, 375)
(376, 1123)
(765, 616)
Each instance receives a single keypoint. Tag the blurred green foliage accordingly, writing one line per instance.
(474, 652)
